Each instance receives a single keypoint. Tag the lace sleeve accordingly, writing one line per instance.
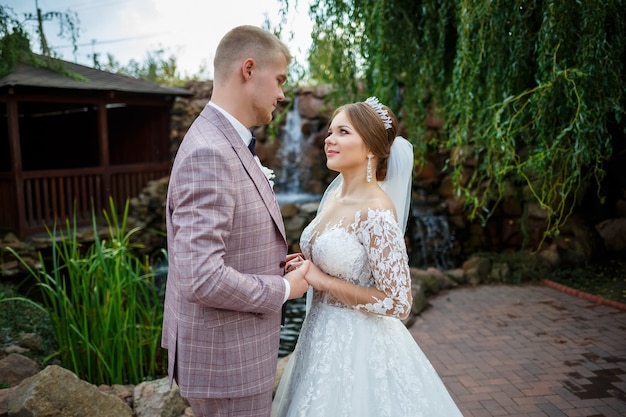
(388, 261)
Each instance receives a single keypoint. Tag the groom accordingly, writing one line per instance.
(226, 240)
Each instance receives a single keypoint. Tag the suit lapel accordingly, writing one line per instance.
(249, 163)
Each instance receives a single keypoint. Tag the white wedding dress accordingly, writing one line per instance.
(352, 361)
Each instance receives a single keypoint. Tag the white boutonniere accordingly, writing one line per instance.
(269, 173)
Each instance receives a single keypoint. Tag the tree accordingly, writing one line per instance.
(15, 38)
(14, 43)
(15, 46)
(533, 91)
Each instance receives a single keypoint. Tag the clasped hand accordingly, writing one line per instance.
(303, 272)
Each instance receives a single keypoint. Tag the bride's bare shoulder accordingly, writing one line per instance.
(380, 201)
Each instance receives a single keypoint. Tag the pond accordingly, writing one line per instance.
(293, 321)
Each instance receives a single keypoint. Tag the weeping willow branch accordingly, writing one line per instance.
(528, 88)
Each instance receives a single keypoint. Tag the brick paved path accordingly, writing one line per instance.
(526, 351)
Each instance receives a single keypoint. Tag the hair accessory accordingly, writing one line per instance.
(384, 115)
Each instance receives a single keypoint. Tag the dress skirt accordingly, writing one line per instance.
(348, 363)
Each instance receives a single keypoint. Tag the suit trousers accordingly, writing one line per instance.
(254, 406)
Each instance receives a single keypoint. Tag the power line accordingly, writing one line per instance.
(94, 42)
(88, 6)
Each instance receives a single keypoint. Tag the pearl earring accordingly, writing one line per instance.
(368, 177)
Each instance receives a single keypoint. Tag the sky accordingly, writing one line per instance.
(187, 29)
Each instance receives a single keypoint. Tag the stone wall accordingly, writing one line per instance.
(593, 231)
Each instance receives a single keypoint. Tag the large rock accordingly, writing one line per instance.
(613, 234)
(311, 102)
(15, 368)
(5, 396)
(57, 392)
(476, 269)
(156, 399)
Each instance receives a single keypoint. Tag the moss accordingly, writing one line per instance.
(19, 317)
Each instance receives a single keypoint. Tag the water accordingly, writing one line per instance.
(290, 153)
(293, 322)
(431, 240)
(297, 198)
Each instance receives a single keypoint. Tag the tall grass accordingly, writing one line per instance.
(104, 304)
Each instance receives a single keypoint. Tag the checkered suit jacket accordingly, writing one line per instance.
(226, 241)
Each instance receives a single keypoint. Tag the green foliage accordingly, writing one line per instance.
(532, 92)
(68, 27)
(605, 280)
(396, 50)
(15, 40)
(104, 304)
(534, 88)
(283, 29)
(155, 68)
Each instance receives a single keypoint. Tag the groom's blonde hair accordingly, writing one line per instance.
(245, 42)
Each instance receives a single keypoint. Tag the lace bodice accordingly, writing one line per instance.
(369, 251)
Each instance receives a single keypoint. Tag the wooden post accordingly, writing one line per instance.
(16, 162)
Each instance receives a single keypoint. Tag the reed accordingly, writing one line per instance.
(104, 304)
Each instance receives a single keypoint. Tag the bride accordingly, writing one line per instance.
(354, 356)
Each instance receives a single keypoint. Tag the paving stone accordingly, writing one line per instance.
(526, 351)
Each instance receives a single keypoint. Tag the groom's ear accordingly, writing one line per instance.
(246, 68)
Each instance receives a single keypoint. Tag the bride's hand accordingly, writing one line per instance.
(317, 278)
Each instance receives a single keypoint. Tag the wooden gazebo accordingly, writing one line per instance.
(68, 143)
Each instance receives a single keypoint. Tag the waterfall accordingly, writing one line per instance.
(291, 154)
(431, 240)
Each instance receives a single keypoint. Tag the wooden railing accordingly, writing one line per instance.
(56, 195)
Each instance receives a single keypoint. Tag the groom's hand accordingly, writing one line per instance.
(298, 285)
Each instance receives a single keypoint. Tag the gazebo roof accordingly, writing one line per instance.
(28, 75)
